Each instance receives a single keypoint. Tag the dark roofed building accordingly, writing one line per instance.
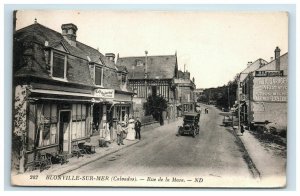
(158, 67)
(157, 71)
(65, 91)
(157, 75)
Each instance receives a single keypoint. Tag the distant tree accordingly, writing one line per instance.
(155, 106)
(225, 95)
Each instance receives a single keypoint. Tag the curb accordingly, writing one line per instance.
(100, 157)
(251, 165)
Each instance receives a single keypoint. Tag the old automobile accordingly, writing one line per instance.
(190, 124)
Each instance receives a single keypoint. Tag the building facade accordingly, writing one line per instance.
(264, 93)
(159, 75)
(185, 92)
(64, 91)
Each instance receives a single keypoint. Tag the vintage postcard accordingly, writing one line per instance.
(149, 98)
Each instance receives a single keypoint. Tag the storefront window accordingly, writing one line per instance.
(47, 124)
(122, 112)
(79, 121)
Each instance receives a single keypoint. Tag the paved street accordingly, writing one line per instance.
(215, 153)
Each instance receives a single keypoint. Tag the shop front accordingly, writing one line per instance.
(109, 107)
(55, 121)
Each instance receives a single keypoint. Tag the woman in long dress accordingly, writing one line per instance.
(131, 131)
(107, 133)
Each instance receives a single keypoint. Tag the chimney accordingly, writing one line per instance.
(110, 56)
(277, 58)
(261, 63)
(69, 33)
(249, 63)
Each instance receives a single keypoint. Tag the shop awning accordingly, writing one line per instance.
(53, 92)
(60, 99)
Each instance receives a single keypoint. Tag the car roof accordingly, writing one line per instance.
(191, 114)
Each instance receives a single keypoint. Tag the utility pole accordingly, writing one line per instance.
(146, 74)
(228, 98)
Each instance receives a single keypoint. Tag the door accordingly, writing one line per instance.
(64, 131)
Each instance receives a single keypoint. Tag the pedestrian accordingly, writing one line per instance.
(206, 110)
(137, 127)
(242, 129)
(107, 134)
(120, 133)
(131, 130)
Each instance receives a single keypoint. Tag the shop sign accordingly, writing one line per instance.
(269, 73)
(104, 93)
(271, 89)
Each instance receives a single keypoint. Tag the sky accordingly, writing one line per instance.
(214, 46)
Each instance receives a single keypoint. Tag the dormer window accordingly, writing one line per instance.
(98, 76)
(139, 63)
(124, 78)
(58, 65)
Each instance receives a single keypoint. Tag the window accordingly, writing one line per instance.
(123, 78)
(98, 75)
(121, 113)
(59, 65)
(47, 124)
(79, 116)
(139, 63)
(154, 91)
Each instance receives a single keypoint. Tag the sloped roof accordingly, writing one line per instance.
(78, 69)
(158, 67)
(121, 68)
(252, 67)
(40, 33)
(272, 64)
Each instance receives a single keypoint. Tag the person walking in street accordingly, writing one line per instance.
(137, 127)
(120, 133)
(242, 129)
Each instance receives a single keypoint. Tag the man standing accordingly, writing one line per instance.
(120, 134)
(137, 127)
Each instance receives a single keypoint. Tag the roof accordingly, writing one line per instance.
(252, 67)
(158, 67)
(283, 64)
(40, 33)
(121, 68)
(191, 114)
(77, 68)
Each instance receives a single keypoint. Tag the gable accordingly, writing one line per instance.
(60, 47)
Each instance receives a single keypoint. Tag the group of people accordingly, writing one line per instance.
(206, 110)
(130, 130)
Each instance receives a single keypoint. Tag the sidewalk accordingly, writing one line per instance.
(269, 159)
(75, 163)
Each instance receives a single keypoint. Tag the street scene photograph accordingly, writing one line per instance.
(149, 98)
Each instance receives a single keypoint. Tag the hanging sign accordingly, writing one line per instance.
(104, 93)
(269, 73)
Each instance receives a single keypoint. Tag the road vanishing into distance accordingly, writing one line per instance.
(215, 154)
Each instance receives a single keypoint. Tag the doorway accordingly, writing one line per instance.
(64, 131)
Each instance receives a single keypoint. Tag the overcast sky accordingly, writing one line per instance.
(215, 46)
